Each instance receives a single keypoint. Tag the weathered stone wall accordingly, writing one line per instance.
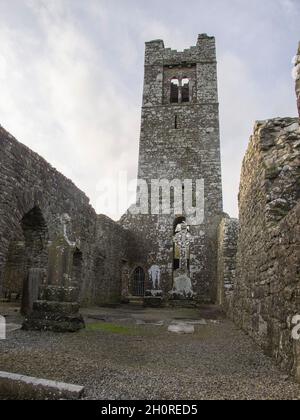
(33, 199)
(227, 250)
(27, 182)
(267, 287)
(113, 258)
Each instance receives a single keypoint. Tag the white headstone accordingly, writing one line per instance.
(183, 284)
(154, 275)
(2, 328)
(181, 328)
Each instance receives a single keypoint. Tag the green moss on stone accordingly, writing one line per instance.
(111, 328)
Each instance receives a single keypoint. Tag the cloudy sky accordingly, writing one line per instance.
(71, 76)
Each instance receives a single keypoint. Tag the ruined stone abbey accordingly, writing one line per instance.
(175, 246)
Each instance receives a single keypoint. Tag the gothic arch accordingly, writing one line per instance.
(138, 282)
(26, 259)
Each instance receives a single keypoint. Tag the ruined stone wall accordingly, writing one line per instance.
(26, 182)
(114, 249)
(267, 286)
(227, 250)
(30, 186)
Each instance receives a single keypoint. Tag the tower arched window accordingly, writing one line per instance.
(174, 95)
(185, 90)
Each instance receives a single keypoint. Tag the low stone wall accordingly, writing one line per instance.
(20, 387)
(267, 287)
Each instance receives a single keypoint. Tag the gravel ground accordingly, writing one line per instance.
(127, 353)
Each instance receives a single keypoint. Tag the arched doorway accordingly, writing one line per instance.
(35, 232)
(26, 262)
(138, 283)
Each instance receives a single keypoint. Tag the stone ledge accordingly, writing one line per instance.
(184, 303)
(19, 387)
(153, 302)
(53, 322)
(59, 308)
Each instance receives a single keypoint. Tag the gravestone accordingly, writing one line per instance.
(31, 290)
(182, 285)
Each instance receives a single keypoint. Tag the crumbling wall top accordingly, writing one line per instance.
(274, 153)
(203, 51)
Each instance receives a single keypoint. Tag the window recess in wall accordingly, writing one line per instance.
(174, 95)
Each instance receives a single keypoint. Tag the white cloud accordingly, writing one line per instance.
(66, 103)
(244, 101)
(71, 76)
(291, 7)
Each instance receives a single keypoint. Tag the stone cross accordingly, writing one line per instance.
(66, 221)
(183, 240)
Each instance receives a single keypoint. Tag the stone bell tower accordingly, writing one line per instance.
(180, 141)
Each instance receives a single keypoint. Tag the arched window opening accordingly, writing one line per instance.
(174, 98)
(138, 286)
(35, 234)
(185, 90)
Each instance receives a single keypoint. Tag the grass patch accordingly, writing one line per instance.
(135, 330)
(110, 328)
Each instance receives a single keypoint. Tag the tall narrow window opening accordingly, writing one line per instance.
(174, 91)
(185, 90)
